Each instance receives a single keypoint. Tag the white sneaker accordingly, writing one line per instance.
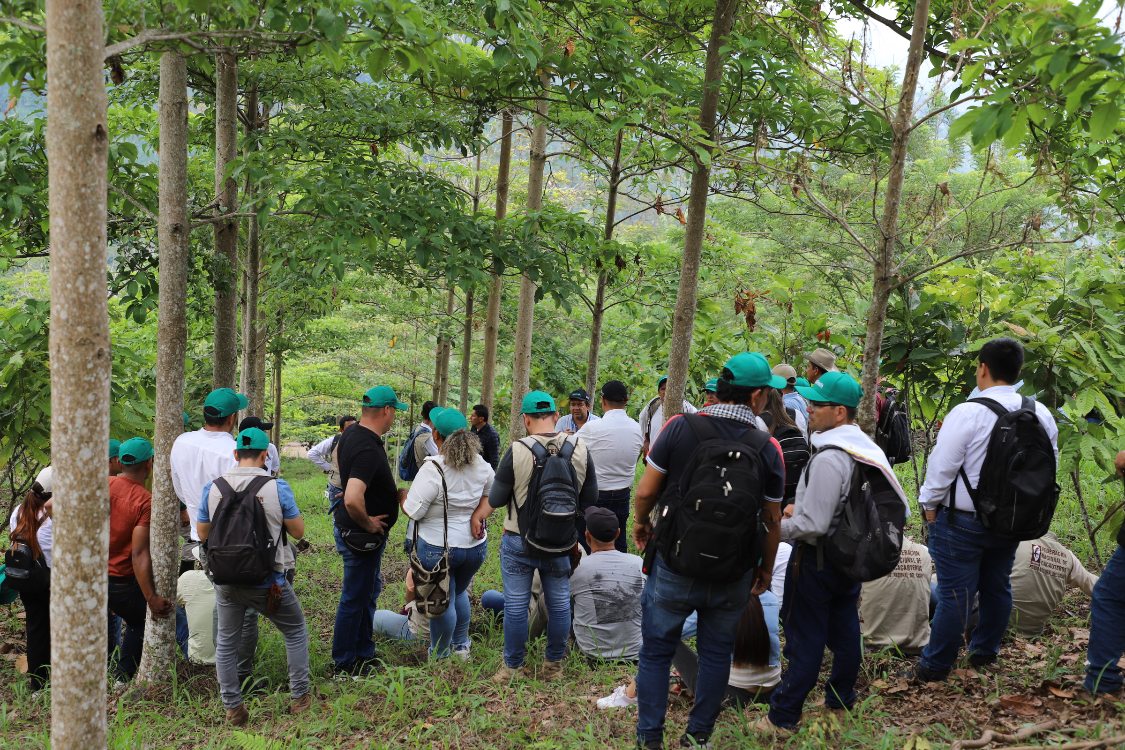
(462, 653)
(617, 699)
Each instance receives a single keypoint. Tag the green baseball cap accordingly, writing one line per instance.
(448, 421)
(803, 382)
(538, 402)
(252, 439)
(222, 402)
(114, 448)
(712, 385)
(662, 381)
(383, 395)
(750, 370)
(833, 388)
(135, 451)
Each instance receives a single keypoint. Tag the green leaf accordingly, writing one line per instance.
(1104, 121)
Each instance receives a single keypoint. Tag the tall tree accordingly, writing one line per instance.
(597, 314)
(253, 351)
(496, 283)
(171, 344)
(225, 364)
(77, 147)
(683, 320)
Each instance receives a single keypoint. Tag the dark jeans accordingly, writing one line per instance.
(667, 601)
(618, 502)
(820, 608)
(37, 623)
(127, 602)
(1107, 627)
(969, 560)
(351, 636)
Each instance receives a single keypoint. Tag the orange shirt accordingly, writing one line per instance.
(130, 506)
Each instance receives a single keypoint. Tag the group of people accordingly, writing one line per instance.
(735, 512)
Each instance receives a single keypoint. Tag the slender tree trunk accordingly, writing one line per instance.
(445, 349)
(466, 351)
(496, 286)
(884, 267)
(252, 386)
(171, 344)
(225, 363)
(598, 313)
(77, 145)
(683, 321)
(525, 322)
(277, 362)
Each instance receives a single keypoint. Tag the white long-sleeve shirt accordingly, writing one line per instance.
(321, 453)
(963, 441)
(199, 458)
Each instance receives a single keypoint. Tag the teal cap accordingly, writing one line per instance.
(751, 370)
(448, 421)
(252, 439)
(134, 451)
(222, 402)
(712, 385)
(833, 388)
(114, 447)
(383, 395)
(803, 382)
(662, 381)
(187, 421)
(538, 402)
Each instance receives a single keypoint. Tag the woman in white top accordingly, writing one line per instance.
(468, 479)
(29, 566)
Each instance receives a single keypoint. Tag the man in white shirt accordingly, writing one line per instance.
(201, 456)
(323, 454)
(651, 418)
(968, 558)
(580, 414)
(615, 442)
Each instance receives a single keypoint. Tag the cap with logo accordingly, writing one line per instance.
(114, 447)
(602, 523)
(222, 402)
(712, 385)
(135, 451)
(750, 370)
(46, 480)
(823, 359)
(615, 391)
(579, 394)
(383, 395)
(538, 402)
(254, 422)
(833, 388)
(786, 371)
(447, 421)
(252, 439)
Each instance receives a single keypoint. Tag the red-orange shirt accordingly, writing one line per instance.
(130, 506)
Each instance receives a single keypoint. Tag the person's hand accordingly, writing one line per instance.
(1118, 462)
(930, 514)
(402, 491)
(160, 607)
(575, 556)
(762, 579)
(642, 532)
(476, 523)
(378, 524)
(788, 512)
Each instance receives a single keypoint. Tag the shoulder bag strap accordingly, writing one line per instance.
(444, 507)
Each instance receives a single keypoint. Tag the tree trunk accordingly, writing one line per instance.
(884, 266)
(77, 145)
(466, 351)
(225, 365)
(521, 365)
(277, 362)
(683, 320)
(496, 287)
(598, 313)
(171, 344)
(252, 386)
(446, 348)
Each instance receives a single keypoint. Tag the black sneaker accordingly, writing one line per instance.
(650, 745)
(916, 674)
(695, 740)
(979, 661)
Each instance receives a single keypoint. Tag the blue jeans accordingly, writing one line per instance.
(451, 629)
(335, 496)
(493, 601)
(820, 608)
(667, 601)
(392, 625)
(1107, 627)
(516, 571)
(182, 633)
(363, 582)
(618, 502)
(968, 560)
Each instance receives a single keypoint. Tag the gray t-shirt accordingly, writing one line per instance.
(605, 593)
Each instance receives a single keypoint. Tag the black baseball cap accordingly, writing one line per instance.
(602, 523)
(579, 394)
(615, 390)
(254, 422)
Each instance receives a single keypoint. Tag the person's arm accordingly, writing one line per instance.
(504, 483)
(1079, 576)
(291, 517)
(946, 459)
(480, 515)
(771, 519)
(203, 515)
(424, 490)
(589, 494)
(648, 492)
(356, 506)
(142, 569)
(812, 517)
(318, 454)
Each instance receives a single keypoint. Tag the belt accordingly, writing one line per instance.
(614, 494)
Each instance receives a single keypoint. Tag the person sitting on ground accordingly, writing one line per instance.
(580, 414)
(323, 454)
(30, 530)
(274, 597)
(794, 446)
(894, 611)
(408, 624)
(196, 595)
(710, 389)
(1107, 618)
(651, 418)
(487, 434)
(1041, 573)
(605, 593)
(442, 500)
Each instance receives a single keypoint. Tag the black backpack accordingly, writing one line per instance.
(240, 549)
(548, 516)
(710, 525)
(407, 462)
(1017, 493)
(867, 541)
(892, 432)
(795, 452)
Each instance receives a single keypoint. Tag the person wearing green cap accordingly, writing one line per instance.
(651, 417)
(755, 487)
(114, 462)
(517, 566)
(821, 602)
(132, 588)
(709, 392)
(362, 522)
(449, 488)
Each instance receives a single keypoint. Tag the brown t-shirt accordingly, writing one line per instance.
(130, 506)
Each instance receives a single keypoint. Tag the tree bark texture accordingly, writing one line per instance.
(77, 146)
(466, 352)
(496, 286)
(521, 364)
(171, 344)
(597, 316)
(884, 266)
(683, 320)
(225, 364)
(445, 349)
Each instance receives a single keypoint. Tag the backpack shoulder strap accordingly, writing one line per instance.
(702, 428)
(226, 492)
(813, 454)
(255, 485)
(996, 408)
(993, 405)
(536, 448)
(567, 449)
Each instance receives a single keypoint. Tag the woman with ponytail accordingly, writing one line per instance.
(29, 568)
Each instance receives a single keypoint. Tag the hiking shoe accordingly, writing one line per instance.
(982, 660)
(238, 716)
(916, 674)
(506, 674)
(695, 740)
(300, 705)
(650, 745)
(550, 670)
(619, 698)
(765, 726)
(462, 653)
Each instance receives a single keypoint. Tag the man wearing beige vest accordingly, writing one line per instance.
(1042, 572)
(894, 610)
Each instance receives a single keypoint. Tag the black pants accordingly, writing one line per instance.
(618, 502)
(687, 664)
(127, 602)
(37, 609)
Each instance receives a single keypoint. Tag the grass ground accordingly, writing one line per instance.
(414, 703)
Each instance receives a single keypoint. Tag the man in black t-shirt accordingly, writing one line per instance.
(362, 520)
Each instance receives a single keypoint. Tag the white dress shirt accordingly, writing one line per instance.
(615, 442)
(963, 441)
(199, 458)
(651, 426)
(321, 453)
(566, 422)
(273, 461)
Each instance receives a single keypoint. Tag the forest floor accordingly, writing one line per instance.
(451, 704)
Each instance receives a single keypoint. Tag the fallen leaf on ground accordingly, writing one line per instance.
(1021, 705)
(966, 674)
(21, 664)
(899, 687)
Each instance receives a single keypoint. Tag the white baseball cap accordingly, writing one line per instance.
(46, 479)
